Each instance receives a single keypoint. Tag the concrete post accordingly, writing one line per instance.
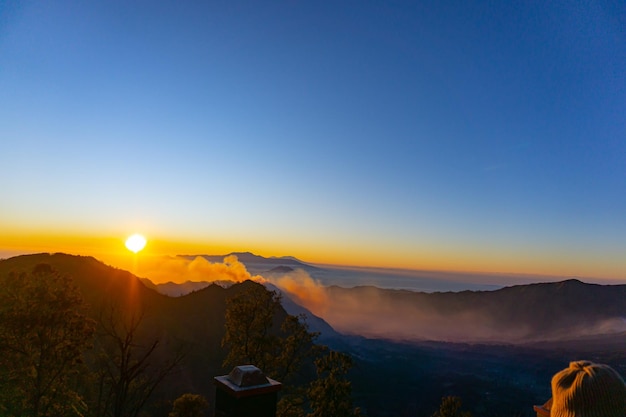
(245, 392)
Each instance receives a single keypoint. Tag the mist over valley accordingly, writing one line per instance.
(441, 183)
(417, 306)
(494, 349)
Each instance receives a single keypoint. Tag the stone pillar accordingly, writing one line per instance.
(245, 392)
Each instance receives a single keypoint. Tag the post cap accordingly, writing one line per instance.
(247, 380)
(247, 376)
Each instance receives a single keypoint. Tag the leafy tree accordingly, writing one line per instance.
(253, 337)
(249, 322)
(43, 333)
(292, 403)
(296, 346)
(280, 351)
(451, 407)
(331, 393)
(189, 405)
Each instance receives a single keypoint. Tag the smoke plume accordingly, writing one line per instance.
(180, 269)
(394, 314)
(455, 317)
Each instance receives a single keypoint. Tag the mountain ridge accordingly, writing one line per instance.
(518, 314)
(250, 259)
(193, 323)
(503, 377)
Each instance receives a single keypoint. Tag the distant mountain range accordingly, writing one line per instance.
(314, 323)
(193, 323)
(347, 276)
(517, 314)
(564, 319)
(255, 263)
(173, 289)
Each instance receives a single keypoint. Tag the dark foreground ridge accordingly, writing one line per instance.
(389, 378)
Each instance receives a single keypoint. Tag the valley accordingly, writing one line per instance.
(390, 376)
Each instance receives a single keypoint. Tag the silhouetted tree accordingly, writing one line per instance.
(43, 333)
(189, 405)
(128, 368)
(249, 321)
(451, 407)
(253, 337)
(293, 403)
(331, 393)
(297, 344)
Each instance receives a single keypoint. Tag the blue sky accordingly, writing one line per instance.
(460, 135)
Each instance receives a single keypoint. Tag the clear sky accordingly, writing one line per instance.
(478, 136)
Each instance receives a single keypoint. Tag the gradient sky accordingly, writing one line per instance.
(478, 136)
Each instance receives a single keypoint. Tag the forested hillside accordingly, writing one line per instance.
(140, 350)
(80, 338)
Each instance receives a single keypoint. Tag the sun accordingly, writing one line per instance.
(135, 243)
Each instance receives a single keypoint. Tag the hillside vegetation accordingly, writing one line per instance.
(141, 350)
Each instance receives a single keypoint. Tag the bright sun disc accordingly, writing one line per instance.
(135, 243)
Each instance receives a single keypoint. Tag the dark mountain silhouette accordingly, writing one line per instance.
(518, 314)
(388, 378)
(281, 270)
(174, 289)
(193, 323)
(293, 258)
(149, 284)
(315, 323)
(255, 263)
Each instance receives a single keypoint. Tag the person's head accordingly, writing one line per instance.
(586, 389)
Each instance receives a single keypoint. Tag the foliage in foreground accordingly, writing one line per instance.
(50, 363)
(43, 333)
(331, 393)
(282, 350)
(189, 405)
(451, 407)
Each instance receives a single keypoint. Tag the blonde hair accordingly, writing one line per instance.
(587, 389)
